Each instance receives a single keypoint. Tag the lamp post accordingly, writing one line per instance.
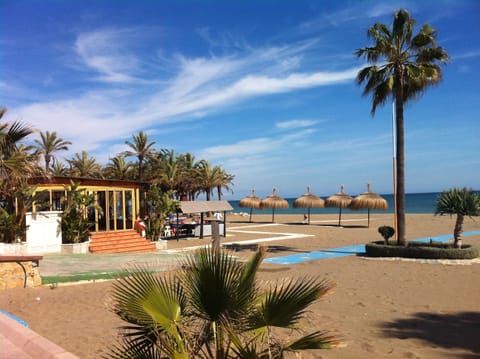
(394, 154)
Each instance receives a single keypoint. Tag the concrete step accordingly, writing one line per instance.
(120, 242)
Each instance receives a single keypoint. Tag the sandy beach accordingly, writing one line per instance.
(379, 308)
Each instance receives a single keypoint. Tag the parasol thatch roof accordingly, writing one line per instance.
(273, 201)
(340, 199)
(369, 200)
(309, 200)
(251, 201)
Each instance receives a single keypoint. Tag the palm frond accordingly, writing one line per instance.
(285, 303)
(316, 340)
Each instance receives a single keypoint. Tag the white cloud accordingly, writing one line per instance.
(108, 52)
(296, 124)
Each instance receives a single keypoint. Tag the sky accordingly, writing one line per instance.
(264, 89)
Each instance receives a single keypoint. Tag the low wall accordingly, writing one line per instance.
(19, 272)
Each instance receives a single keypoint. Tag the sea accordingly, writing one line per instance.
(415, 203)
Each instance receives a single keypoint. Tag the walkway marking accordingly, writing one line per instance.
(279, 236)
(348, 251)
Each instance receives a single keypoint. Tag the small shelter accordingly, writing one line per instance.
(203, 207)
(369, 200)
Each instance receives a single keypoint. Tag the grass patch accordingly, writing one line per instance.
(91, 276)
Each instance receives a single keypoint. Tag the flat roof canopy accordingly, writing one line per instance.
(204, 206)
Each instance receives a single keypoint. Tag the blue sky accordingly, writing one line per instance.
(264, 89)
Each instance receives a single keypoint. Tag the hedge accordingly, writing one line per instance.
(433, 250)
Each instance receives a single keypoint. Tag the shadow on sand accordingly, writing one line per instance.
(460, 330)
(237, 247)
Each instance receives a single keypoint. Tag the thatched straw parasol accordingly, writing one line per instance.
(340, 200)
(369, 200)
(309, 200)
(251, 201)
(273, 201)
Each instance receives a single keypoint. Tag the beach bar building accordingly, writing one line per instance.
(113, 230)
(119, 200)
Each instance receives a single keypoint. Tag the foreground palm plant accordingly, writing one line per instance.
(213, 307)
(461, 202)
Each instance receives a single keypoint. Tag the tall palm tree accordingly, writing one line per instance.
(187, 173)
(225, 181)
(142, 149)
(48, 144)
(209, 177)
(168, 171)
(213, 307)
(460, 202)
(84, 166)
(118, 168)
(404, 66)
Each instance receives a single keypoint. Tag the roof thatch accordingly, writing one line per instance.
(251, 201)
(369, 200)
(273, 201)
(204, 206)
(340, 199)
(309, 200)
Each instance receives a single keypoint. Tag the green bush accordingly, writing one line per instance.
(386, 232)
(433, 250)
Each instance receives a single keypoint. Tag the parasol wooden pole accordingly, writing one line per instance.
(340, 216)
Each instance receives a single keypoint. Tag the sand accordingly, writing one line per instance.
(379, 308)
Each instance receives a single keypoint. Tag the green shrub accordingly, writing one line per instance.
(433, 250)
(386, 232)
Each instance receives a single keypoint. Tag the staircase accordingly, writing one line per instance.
(120, 242)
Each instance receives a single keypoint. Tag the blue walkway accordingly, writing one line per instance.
(348, 251)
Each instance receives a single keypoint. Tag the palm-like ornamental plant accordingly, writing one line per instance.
(213, 308)
(404, 66)
(461, 202)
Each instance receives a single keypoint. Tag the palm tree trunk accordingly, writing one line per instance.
(401, 224)
(457, 233)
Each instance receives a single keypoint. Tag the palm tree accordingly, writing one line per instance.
(208, 177)
(461, 202)
(224, 182)
(84, 166)
(118, 168)
(408, 66)
(187, 173)
(167, 174)
(48, 144)
(213, 307)
(17, 162)
(142, 149)
(58, 169)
